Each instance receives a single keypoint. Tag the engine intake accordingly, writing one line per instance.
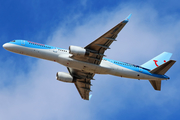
(64, 77)
(79, 51)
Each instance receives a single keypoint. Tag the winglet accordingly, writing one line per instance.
(127, 19)
(90, 96)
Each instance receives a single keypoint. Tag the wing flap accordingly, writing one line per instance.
(83, 82)
(83, 88)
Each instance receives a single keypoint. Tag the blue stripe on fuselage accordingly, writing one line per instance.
(30, 44)
(136, 68)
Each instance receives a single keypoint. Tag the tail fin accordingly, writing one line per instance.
(157, 61)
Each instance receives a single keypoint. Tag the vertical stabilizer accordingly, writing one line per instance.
(157, 61)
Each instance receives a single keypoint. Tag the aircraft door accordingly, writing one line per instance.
(140, 69)
(22, 42)
(55, 50)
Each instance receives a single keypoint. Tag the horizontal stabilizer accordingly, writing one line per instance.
(156, 84)
(162, 69)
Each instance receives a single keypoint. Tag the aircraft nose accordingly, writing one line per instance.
(5, 46)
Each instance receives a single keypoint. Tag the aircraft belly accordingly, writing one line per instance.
(134, 74)
(103, 68)
(48, 54)
(124, 72)
(66, 60)
(128, 73)
(41, 53)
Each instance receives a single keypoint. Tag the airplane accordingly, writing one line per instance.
(84, 62)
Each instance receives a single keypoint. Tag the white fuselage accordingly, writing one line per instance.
(63, 57)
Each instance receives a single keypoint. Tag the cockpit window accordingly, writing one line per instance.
(13, 41)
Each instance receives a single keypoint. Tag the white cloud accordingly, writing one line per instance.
(43, 97)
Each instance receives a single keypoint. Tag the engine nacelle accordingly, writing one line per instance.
(65, 77)
(79, 51)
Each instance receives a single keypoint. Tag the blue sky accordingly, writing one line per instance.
(28, 88)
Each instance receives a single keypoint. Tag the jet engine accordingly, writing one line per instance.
(65, 77)
(79, 51)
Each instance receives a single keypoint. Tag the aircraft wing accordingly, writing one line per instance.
(100, 45)
(96, 51)
(83, 82)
